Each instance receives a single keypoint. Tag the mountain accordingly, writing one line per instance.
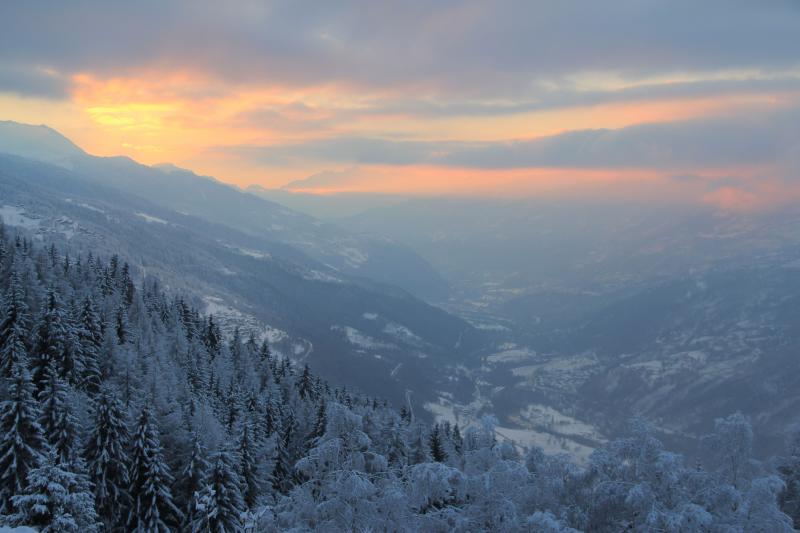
(360, 333)
(38, 142)
(352, 253)
(601, 311)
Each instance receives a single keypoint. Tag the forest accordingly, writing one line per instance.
(124, 408)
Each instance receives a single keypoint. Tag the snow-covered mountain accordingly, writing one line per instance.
(353, 253)
(361, 333)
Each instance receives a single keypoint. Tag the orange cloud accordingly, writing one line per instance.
(158, 116)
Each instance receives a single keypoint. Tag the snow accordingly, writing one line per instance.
(353, 256)
(544, 416)
(395, 370)
(360, 339)
(465, 416)
(15, 216)
(551, 444)
(401, 332)
(512, 355)
(150, 218)
(370, 316)
(489, 327)
(226, 314)
(316, 275)
(253, 253)
(92, 208)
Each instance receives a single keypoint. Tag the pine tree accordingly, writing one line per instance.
(13, 327)
(219, 506)
(121, 325)
(53, 342)
(21, 442)
(211, 337)
(320, 423)
(437, 448)
(458, 440)
(152, 508)
(106, 458)
(90, 338)
(283, 477)
(191, 480)
(57, 421)
(248, 468)
(55, 500)
(305, 384)
(126, 285)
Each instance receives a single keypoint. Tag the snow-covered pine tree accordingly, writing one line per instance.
(21, 440)
(55, 500)
(14, 326)
(90, 339)
(191, 479)
(437, 446)
(283, 475)
(54, 340)
(248, 468)
(219, 505)
(57, 421)
(152, 509)
(107, 458)
(305, 384)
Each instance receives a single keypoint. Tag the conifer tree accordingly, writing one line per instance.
(21, 440)
(320, 423)
(107, 459)
(152, 508)
(90, 337)
(57, 422)
(283, 476)
(437, 447)
(53, 341)
(248, 468)
(191, 480)
(219, 506)
(121, 325)
(305, 384)
(13, 327)
(55, 500)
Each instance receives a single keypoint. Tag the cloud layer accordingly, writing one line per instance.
(270, 92)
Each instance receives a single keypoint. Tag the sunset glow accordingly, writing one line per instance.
(282, 118)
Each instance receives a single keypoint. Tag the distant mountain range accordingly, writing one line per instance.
(562, 318)
(336, 299)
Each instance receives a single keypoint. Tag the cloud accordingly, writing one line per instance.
(746, 139)
(32, 82)
(325, 179)
(470, 47)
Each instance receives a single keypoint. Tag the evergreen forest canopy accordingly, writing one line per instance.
(126, 409)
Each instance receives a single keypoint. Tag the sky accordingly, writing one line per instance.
(639, 99)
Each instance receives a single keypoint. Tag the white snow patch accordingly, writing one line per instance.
(354, 256)
(150, 218)
(15, 216)
(360, 339)
(513, 355)
(401, 332)
(543, 416)
(551, 444)
(396, 369)
(92, 208)
(226, 314)
(253, 253)
(316, 275)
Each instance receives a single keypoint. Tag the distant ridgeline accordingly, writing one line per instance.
(126, 409)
